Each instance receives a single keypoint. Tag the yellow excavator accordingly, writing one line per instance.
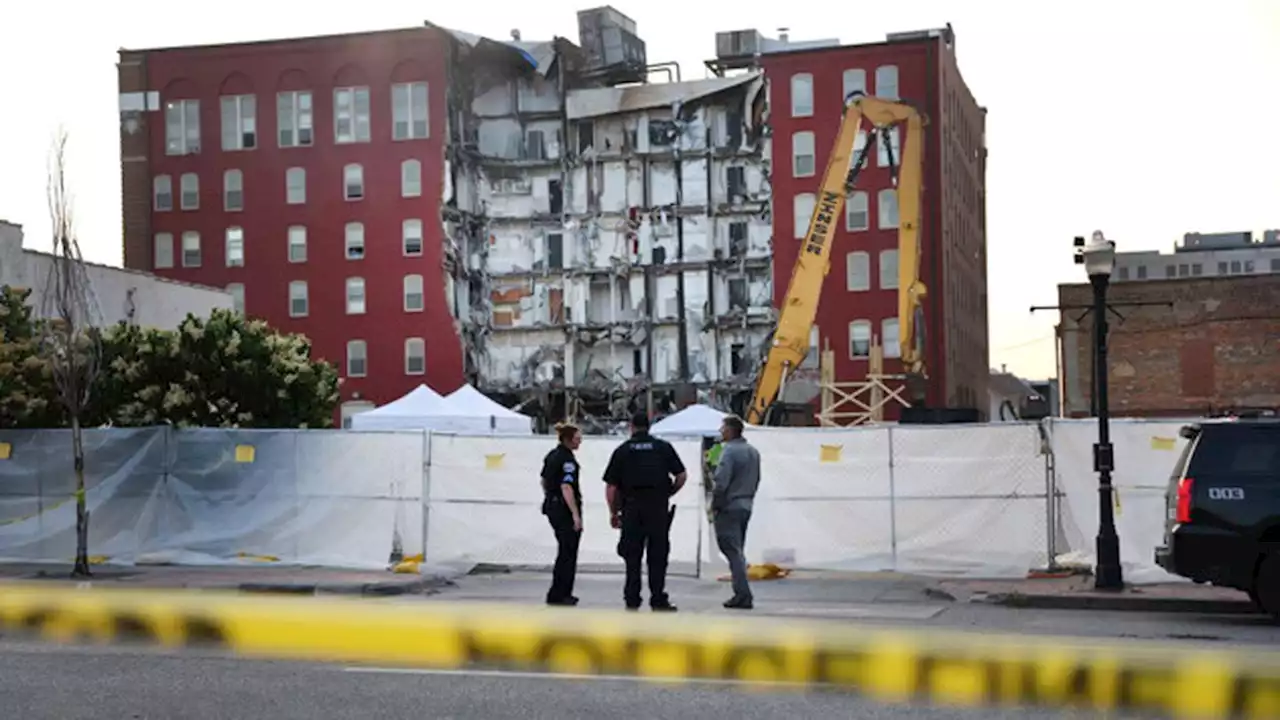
(791, 338)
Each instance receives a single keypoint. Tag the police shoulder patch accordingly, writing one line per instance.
(570, 467)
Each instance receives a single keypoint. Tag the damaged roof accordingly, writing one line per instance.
(539, 55)
(598, 102)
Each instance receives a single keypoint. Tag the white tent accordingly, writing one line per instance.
(424, 409)
(695, 420)
(467, 401)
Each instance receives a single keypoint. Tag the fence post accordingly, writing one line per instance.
(893, 504)
(1050, 493)
(426, 490)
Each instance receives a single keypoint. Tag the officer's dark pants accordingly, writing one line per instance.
(646, 531)
(567, 539)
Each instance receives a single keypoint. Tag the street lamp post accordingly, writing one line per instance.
(1099, 258)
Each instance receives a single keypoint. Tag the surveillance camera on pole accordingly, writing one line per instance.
(1098, 255)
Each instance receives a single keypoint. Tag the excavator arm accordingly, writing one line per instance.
(800, 305)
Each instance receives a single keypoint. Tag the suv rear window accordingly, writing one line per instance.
(1238, 448)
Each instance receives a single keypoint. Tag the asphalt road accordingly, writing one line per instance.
(70, 683)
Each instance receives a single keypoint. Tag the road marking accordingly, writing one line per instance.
(522, 675)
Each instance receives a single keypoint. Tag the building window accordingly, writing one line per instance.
(1248, 266)
(409, 111)
(1170, 271)
(1197, 269)
(235, 247)
(351, 115)
(357, 358)
(857, 215)
(162, 190)
(233, 191)
(888, 269)
(355, 296)
(239, 122)
(415, 356)
(299, 305)
(410, 179)
(237, 297)
(1142, 272)
(1222, 268)
(803, 206)
(190, 183)
(860, 339)
(295, 186)
(162, 253)
(1184, 270)
(855, 80)
(182, 127)
(353, 182)
(1235, 267)
(411, 232)
(859, 145)
(191, 250)
(888, 209)
(889, 338)
(803, 161)
(293, 118)
(1122, 273)
(895, 143)
(887, 82)
(857, 271)
(1275, 265)
(735, 180)
(413, 293)
(354, 235)
(801, 95)
(297, 244)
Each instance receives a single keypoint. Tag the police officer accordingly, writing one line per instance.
(562, 504)
(642, 475)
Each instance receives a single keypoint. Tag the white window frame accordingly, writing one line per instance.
(410, 111)
(186, 139)
(162, 251)
(353, 179)
(297, 248)
(236, 290)
(357, 350)
(802, 95)
(357, 301)
(859, 142)
(857, 271)
(411, 178)
(414, 287)
(353, 241)
(299, 293)
(802, 209)
(233, 190)
(887, 82)
(857, 211)
(888, 262)
(890, 338)
(895, 141)
(295, 186)
(192, 256)
(162, 187)
(347, 107)
(189, 188)
(860, 324)
(235, 246)
(410, 345)
(851, 80)
(803, 145)
(411, 229)
(887, 209)
(239, 122)
(295, 115)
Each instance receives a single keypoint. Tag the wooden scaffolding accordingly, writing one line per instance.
(858, 403)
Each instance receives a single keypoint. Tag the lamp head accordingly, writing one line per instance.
(1098, 255)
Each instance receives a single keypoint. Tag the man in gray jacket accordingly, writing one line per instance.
(736, 478)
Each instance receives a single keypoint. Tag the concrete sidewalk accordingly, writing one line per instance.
(1077, 593)
(237, 578)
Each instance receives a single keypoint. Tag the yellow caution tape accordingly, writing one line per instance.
(946, 668)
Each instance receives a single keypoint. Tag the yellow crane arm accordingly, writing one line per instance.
(911, 289)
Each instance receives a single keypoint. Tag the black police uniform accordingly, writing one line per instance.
(642, 468)
(561, 468)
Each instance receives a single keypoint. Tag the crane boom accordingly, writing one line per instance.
(800, 305)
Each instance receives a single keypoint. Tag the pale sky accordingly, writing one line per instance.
(1142, 118)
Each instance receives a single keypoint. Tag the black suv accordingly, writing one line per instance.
(1223, 525)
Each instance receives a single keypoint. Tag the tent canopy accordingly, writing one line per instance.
(695, 420)
(467, 400)
(425, 409)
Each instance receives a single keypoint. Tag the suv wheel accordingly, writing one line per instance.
(1266, 585)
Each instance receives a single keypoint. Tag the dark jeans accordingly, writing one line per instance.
(567, 539)
(731, 536)
(646, 528)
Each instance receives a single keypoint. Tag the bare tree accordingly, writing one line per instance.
(70, 336)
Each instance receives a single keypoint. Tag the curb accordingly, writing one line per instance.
(374, 589)
(1119, 602)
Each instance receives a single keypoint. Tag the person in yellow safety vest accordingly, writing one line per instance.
(713, 455)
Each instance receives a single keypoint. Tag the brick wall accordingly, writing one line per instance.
(135, 175)
(1217, 347)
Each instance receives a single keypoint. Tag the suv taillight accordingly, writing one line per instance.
(1184, 500)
